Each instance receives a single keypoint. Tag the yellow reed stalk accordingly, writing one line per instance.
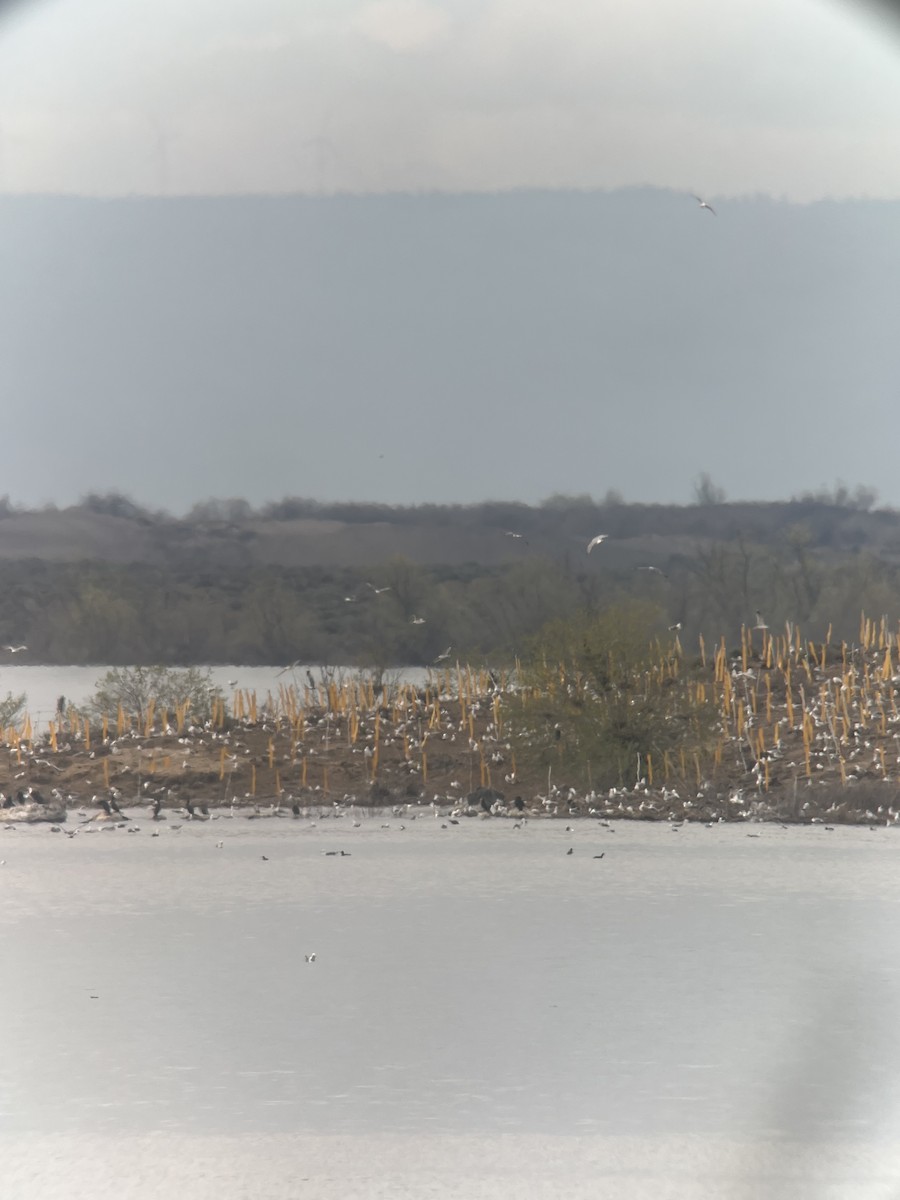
(271, 753)
(843, 771)
(278, 788)
(152, 764)
(222, 763)
(87, 734)
(52, 730)
(303, 772)
(252, 779)
(424, 767)
(702, 651)
(105, 726)
(881, 756)
(697, 765)
(106, 771)
(766, 769)
(325, 777)
(167, 762)
(650, 769)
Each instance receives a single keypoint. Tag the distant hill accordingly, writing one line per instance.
(304, 533)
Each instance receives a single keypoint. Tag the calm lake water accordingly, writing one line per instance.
(700, 1013)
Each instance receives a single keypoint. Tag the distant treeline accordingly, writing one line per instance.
(401, 612)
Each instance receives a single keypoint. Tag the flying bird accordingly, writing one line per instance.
(655, 570)
(417, 621)
(310, 958)
(601, 537)
(520, 537)
(16, 649)
(443, 657)
(703, 204)
(377, 590)
(760, 623)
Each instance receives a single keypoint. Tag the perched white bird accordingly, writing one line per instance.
(760, 623)
(703, 204)
(601, 537)
(417, 621)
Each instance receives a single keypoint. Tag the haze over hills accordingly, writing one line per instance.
(405, 349)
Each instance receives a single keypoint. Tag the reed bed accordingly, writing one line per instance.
(777, 726)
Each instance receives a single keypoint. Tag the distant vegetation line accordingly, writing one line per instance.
(373, 585)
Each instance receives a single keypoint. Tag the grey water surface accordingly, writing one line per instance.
(478, 995)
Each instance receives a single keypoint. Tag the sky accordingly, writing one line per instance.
(767, 108)
(792, 98)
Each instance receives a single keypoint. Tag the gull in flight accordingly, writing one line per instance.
(443, 657)
(376, 590)
(16, 649)
(601, 537)
(417, 621)
(703, 204)
(310, 958)
(655, 570)
(520, 537)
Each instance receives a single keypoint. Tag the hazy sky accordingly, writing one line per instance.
(794, 98)
(484, 350)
